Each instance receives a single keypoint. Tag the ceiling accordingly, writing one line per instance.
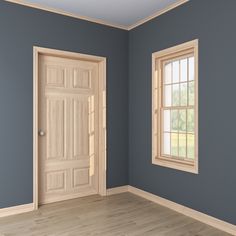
(122, 13)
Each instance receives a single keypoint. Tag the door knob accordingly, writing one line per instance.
(41, 133)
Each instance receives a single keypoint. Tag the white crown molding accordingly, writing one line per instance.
(158, 13)
(204, 218)
(16, 210)
(98, 21)
(61, 12)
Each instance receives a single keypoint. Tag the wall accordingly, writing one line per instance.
(213, 190)
(21, 28)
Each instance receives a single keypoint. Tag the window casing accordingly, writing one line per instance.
(175, 107)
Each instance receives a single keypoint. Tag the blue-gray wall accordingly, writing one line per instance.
(211, 21)
(20, 29)
(213, 191)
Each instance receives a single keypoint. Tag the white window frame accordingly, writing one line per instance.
(157, 76)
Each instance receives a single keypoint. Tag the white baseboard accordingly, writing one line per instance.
(117, 190)
(212, 221)
(16, 210)
(65, 198)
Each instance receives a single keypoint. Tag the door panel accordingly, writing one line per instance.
(82, 78)
(80, 177)
(55, 128)
(80, 128)
(68, 115)
(55, 180)
(55, 76)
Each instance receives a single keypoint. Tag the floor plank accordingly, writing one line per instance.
(122, 215)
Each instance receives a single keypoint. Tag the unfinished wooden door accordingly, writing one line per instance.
(68, 123)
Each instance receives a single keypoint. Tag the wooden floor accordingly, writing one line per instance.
(122, 214)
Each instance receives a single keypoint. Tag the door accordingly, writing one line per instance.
(68, 123)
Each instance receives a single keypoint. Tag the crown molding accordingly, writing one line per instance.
(158, 13)
(98, 21)
(61, 12)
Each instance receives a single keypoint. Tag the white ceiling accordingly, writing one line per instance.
(124, 13)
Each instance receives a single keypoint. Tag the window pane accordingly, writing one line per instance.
(190, 146)
(166, 144)
(182, 145)
(174, 121)
(190, 125)
(166, 120)
(175, 71)
(175, 95)
(183, 94)
(191, 68)
(167, 73)
(167, 95)
(184, 70)
(191, 93)
(174, 144)
(182, 121)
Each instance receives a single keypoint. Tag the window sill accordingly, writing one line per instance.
(175, 164)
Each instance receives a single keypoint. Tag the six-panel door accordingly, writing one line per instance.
(68, 121)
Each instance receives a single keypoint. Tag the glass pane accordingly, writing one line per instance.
(182, 121)
(190, 125)
(175, 95)
(182, 145)
(184, 70)
(166, 144)
(174, 144)
(191, 68)
(183, 94)
(174, 120)
(166, 120)
(190, 146)
(175, 71)
(167, 73)
(191, 93)
(167, 95)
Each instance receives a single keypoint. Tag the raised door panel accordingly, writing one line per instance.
(82, 78)
(55, 128)
(55, 76)
(55, 181)
(80, 128)
(81, 177)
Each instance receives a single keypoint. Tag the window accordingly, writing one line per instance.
(175, 107)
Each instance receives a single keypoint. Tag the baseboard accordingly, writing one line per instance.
(65, 198)
(214, 222)
(16, 210)
(117, 190)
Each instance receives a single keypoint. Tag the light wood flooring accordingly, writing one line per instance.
(122, 214)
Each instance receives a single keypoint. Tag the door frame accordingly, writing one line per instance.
(37, 51)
